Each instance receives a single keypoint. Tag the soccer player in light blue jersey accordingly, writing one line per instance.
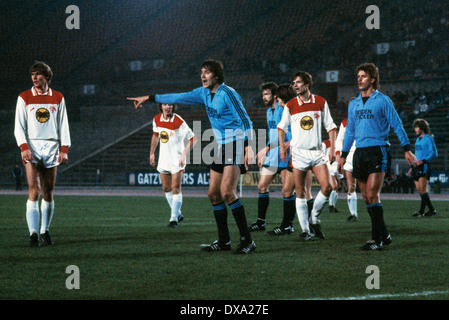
(232, 129)
(370, 116)
(270, 162)
(425, 151)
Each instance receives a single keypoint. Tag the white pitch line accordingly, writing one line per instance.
(387, 295)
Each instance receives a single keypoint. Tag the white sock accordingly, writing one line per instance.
(320, 201)
(333, 198)
(352, 203)
(169, 197)
(47, 210)
(303, 214)
(32, 216)
(176, 207)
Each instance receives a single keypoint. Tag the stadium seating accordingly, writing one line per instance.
(257, 41)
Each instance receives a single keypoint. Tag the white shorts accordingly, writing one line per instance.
(172, 170)
(333, 170)
(44, 152)
(305, 159)
(348, 164)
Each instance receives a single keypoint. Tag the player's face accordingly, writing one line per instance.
(364, 80)
(281, 102)
(299, 86)
(418, 131)
(39, 81)
(267, 97)
(167, 109)
(209, 80)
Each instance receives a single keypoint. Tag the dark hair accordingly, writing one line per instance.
(43, 68)
(159, 106)
(422, 124)
(305, 76)
(272, 86)
(373, 72)
(285, 92)
(216, 67)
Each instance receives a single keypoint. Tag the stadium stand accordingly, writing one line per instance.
(127, 48)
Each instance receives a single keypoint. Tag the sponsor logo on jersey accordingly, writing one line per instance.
(306, 123)
(164, 137)
(42, 115)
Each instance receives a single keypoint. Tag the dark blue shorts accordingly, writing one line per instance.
(423, 170)
(371, 160)
(229, 154)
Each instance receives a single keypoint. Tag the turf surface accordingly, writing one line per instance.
(124, 250)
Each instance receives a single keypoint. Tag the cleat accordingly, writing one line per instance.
(34, 240)
(318, 232)
(418, 214)
(372, 245)
(430, 213)
(246, 247)
(387, 240)
(352, 218)
(216, 246)
(332, 209)
(172, 224)
(46, 239)
(305, 236)
(257, 227)
(180, 217)
(278, 231)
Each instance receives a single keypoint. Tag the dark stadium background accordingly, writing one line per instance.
(257, 41)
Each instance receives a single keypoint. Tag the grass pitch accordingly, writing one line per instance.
(124, 250)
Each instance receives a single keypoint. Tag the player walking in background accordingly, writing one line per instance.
(177, 139)
(306, 114)
(233, 131)
(370, 116)
(425, 152)
(271, 164)
(42, 132)
(351, 197)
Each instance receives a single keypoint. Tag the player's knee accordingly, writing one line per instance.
(34, 192)
(214, 197)
(326, 189)
(287, 192)
(262, 188)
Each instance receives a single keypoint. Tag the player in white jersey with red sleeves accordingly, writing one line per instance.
(307, 114)
(42, 132)
(177, 139)
(334, 177)
(352, 195)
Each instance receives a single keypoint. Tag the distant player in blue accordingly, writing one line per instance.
(269, 161)
(425, 151)
(232, 129)
(370, 116)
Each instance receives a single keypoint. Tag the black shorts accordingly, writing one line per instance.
(371, 160)
(229, 154)
(423, 170)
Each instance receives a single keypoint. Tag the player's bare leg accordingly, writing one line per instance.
(32, 207)
(322, 174)
(266, 178)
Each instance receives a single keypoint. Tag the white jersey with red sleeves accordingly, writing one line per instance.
(339, 141)
(331, 166)
(306, 119)
(174, 134)
(41, 117)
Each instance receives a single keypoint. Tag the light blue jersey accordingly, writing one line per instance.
(369, 123)
(273, 159)
(425, 148)
(225, 110)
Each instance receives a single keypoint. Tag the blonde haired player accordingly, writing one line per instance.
(177, 139)
(42, 132)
